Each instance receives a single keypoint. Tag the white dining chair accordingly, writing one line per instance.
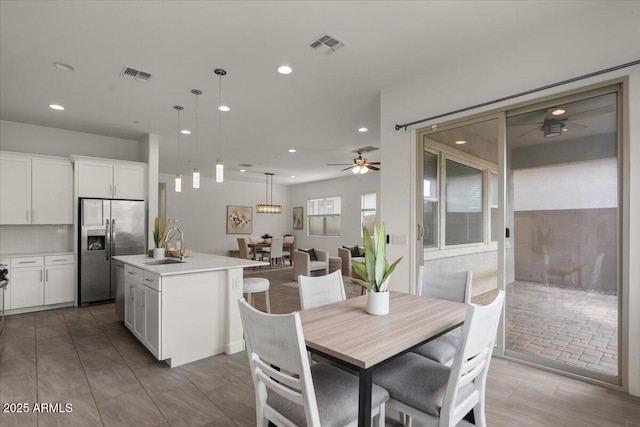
(438, 395)
(288, 390)
(316, 291)
(275, 251)
(452, 286)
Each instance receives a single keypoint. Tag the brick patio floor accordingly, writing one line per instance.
(564, 324)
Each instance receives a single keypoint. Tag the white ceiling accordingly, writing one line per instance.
(317, 109)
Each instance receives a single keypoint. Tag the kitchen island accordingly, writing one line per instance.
(183, 311)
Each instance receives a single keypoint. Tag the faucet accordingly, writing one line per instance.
(181, 240)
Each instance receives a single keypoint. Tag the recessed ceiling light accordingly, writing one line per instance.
(185, 132)
(56, 107)
(292, 150)
(224, 108)
(292, 176)
(62, 66)
(564, 129)
(363, 130)
(558, 112)
(284, 69)
(460, 142)
(243, 170)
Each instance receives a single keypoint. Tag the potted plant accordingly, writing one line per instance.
(375, 271)
(160, 237)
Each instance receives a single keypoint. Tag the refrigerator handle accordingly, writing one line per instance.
(113, 236)
(107, 248)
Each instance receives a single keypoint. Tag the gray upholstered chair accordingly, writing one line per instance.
(303, 266)
(452, 286)
(346, 257)
(321, 290)
(439, 395)
(291, 392)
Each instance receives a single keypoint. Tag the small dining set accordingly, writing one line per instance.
(275, 249)
(426, 360)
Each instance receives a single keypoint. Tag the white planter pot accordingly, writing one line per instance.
(378, 303)
(158, 252)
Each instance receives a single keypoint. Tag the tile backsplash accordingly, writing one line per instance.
(25, 239)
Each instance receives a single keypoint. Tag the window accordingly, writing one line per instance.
(324, 216)
(464, 207)
(368, 211)
(430, 200)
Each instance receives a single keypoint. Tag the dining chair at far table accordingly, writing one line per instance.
(438, 395)
(243, 248)
(275, 253)
(288, 248)
(321, 290)
(452, 286)
(288, 390)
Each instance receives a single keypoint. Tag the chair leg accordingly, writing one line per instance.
(381, 416)
(249, 299)
(266, 298)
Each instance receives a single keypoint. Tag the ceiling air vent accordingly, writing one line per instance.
(133, 74)
(326, 44)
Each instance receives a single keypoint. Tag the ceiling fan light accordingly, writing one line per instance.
(363, 170)
(356, 169)
(552, 129)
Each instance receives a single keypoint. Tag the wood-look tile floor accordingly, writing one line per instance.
(87, 358)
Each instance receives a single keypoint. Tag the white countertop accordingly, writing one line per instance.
(197, 262)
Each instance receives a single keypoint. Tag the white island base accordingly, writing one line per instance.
(187, 311)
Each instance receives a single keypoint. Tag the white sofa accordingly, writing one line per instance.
(302, 264)
(345, 256)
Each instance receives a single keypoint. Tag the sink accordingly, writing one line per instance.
(164, 261)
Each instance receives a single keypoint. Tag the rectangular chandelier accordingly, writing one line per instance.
(275, 209)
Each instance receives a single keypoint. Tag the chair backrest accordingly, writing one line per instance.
(595, 275)
(466, 386)
(255, 239)
(276, 340)
(276, 247)
(242, 246)
(288, 239)
(452, 286)
(321, 290)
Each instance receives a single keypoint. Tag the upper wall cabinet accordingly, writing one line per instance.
(35, 190)
(111, 180)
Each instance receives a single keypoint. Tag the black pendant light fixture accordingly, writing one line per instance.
(221, 107)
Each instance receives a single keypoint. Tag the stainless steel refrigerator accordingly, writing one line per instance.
(107, 228)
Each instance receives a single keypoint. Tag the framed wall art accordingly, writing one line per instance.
(297, 218)
(239, 219)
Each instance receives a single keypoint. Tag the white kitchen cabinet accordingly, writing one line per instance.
(111, 180)
(58, 279)
(15, 189)
(142, 307)
(35, 190)
(27, 282)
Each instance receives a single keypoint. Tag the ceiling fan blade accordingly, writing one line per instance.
(346, 169)
(529, 131)
(373, 168)
(339, 164)
(571, 126)
(591, 113)
(372, 163)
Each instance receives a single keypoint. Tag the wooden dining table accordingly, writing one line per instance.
(344, 333)
(288, 247)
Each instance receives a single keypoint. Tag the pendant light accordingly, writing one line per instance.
(196, 171)
(178, 180)
(221, 107)
(268, 206)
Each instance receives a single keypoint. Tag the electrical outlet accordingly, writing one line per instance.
(235, 284)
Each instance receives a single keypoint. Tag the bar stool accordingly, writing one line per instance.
(252, 285)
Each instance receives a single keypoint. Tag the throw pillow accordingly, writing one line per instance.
(355, 251)
(312, 254)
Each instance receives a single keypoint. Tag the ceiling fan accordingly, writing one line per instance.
(360, 165)
(558, 121)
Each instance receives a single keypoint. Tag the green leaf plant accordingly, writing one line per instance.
(375, 270)
(160, 232)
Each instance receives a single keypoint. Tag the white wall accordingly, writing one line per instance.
(24, 138)
(202, 213)
(493, 75)
(349, 188)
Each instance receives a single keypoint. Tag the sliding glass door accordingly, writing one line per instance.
(562, 288)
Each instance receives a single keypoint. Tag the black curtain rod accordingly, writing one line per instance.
(596, 73)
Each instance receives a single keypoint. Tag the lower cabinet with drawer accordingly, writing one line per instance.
(41, 280)
(143, 307)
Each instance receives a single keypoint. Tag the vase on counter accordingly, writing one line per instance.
(158, 252)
